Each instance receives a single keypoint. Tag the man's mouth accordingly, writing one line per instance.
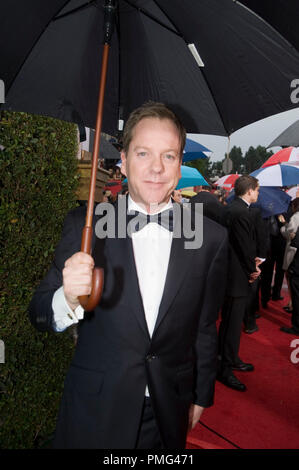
(158, 183)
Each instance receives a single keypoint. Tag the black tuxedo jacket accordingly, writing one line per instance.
(212, 208)
(243, 247)
(115, 357)
(262, 241)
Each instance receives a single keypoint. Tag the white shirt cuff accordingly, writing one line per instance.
(64, 316)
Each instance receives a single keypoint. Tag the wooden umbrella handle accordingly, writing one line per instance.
(89, 302)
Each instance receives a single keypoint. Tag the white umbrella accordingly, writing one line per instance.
(292, 192)
(288, 156)
(277, 175)
(227, 181)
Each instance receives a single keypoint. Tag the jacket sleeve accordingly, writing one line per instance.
(261, 235)
(207, 340)
(244, 246)
(40, 308)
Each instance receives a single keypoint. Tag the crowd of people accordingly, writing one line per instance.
(259, 255)
(147, 357)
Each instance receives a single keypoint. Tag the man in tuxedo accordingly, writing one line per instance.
(252, 306)
(243, 270)
(144, 367)
(275, 257)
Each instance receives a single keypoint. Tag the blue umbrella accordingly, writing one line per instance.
(191, 177)
(193, 150)
(271, 201)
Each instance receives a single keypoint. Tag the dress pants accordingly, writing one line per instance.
(252, 306)
(274, 259)
(232, 314)
(148, 434)
(294, 285)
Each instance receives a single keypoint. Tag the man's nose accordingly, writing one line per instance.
(157, 164)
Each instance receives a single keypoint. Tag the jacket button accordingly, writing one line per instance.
(151, 357)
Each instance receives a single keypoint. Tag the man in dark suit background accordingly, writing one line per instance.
(252, 306)
(144, 367)
(275, 255)
(243, 270)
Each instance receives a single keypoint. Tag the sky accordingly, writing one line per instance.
(262, 132)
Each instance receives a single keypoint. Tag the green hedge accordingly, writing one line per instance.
(38, 179)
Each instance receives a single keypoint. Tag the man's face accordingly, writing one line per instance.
(254, 194)
(152, 163)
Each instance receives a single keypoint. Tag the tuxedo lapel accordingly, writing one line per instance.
(121, 253)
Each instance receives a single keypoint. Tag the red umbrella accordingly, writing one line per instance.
(288, 155)
(227, 181)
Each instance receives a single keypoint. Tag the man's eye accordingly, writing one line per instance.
(169, 156)
(141, 154)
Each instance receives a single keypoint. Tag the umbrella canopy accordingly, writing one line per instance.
(282, 15)
(288, 155)
(277, 175)
(191, 177)
(289, 137)
(194, 150)
(50, 61)
(227, 181)
(293, 192)
(271, 201)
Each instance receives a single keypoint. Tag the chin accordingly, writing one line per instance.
(156, 198)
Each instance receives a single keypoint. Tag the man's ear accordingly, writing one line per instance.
(123, 167)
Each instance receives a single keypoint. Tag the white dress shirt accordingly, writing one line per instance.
(151, 247)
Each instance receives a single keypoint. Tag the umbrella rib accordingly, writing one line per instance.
(152, 17)
(266, 22)
(178, 33)
(202, 70)
(75, 10)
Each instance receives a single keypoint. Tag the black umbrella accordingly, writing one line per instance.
(50, 61)
(288, 138)
(282, 15)
(214, 62)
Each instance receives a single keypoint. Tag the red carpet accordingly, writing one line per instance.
(266, 416)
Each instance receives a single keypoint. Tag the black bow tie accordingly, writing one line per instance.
(165, 219)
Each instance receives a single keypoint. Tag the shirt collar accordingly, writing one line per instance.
(247, 203)
(133, 206)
